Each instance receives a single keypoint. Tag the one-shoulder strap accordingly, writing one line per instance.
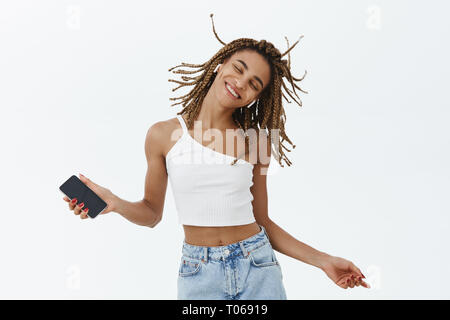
(183, 124)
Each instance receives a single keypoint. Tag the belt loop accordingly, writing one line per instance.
(205, 254)
(244, 249)
(265, 232)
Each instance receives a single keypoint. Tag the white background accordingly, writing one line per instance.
(82, 81)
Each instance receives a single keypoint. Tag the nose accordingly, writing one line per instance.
(239, 84)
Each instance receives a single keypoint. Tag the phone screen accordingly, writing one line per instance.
(75, 188)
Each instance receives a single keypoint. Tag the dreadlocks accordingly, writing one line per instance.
(268, 113)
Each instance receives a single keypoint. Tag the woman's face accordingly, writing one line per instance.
(247, 73)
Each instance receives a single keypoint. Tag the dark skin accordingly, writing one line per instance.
(249, 74)
(248, 82)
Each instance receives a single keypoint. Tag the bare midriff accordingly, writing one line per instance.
(219, 236)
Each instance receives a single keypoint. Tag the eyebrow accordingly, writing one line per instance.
(246, 68)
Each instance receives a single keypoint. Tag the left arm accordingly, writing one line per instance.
(280, 240)
(344, 273)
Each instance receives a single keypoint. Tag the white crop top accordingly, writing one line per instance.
(207, 189)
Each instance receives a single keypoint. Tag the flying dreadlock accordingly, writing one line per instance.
(267, 113)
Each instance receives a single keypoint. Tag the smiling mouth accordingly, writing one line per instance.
(227, 86)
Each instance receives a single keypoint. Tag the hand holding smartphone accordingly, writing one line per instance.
(75, 188)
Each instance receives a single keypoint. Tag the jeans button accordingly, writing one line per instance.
(227, 252)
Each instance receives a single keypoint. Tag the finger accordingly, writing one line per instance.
(343, 283)
(355, 280)
(83, 214)
(72, 203)
(87, 181)
(360, 273)
(358, 281)
(365, 285)
(352, 282)
(81, 206)
(356, 270)
(66, 199)
(344, 278)
(78, 207)
(106, 210)
(347, 283)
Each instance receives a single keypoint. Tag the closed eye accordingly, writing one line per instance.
(240, 71)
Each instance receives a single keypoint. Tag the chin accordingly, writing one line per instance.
(229, 106)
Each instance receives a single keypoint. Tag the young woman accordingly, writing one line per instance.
(221, 196)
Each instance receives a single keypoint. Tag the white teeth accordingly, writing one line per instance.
(231, 90)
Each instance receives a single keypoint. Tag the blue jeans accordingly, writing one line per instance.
(244, 270)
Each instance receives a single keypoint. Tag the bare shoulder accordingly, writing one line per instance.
(160, 135)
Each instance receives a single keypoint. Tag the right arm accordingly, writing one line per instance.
(148, 211)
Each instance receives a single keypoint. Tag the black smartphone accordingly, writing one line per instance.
(75, 188)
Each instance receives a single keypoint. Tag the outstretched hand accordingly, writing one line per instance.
(104, 193)
(344, 273)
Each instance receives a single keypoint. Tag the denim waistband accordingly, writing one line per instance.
(240, 248)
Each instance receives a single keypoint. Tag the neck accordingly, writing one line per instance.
(213, 115)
